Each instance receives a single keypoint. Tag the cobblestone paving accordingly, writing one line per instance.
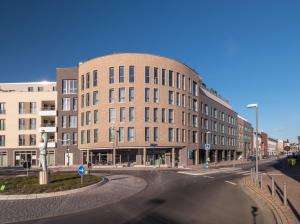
(118, 188)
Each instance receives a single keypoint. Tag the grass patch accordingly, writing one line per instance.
(58, 182)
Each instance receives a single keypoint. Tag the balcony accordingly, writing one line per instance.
(2, 111)
(51, 143)
(48, 111)
(48, 127)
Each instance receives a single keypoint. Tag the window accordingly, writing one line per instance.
(170, 78)
(177, 134)
(95, 78)
(112, 115)
(131, 94)
(32, 123)
(122, 114)
(21, 140)
(21, 108)
(155, 115)
(131, 73)
(183, 120)
(178, 99)
(2, 140)
(82, 100)
(75, 138)
(155, 134)
(121, 74)
(163, 115)
(183, 82)
(82, 82)
(95, 97)
(87, 100)
(155, 75)
(88, 118)
(147, 95)
(170, 135)
(155, 95)
(171, 116)
(96, 135)
(111, 134)
(82, 136)
(147, 134)
(32, 107)
(111, 97)
(195, 121)
(2, 108)
(131, 114)
(121, 134)
(30, 89)
(75, 104)
(69, 86)
(66, 104)
(111, 75)
(183, 100)
(87, 80)
(195, 89)
(183, 135)
(121, 95)
(2, 124)
(88, 136)
(171, 97)
(32, 139)
(130, 134)
(96, 116)
(163, 77)
(82, 118)
(178, 80)
(21, 124)
(73, 121)
(147, 74)
(195, 105)
(195, 137)
(147, 114)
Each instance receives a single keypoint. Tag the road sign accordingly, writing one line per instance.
(207, 146)
(81, 170)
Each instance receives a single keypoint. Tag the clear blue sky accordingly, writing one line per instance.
(247, 50)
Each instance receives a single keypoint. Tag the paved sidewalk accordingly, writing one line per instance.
(118, 188)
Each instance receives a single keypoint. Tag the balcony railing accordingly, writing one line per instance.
(51, 108)
(2, 111)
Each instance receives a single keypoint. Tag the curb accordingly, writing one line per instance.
(52, 194)
(278, 213)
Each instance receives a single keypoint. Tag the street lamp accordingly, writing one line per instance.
(255, 105)
(207, 151)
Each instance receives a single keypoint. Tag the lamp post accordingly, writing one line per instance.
(255, 105)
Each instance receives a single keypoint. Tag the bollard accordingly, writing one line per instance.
(273, 188)
(261, 182)
(284, 194)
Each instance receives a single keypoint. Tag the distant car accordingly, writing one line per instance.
(265, 157)
(252, 158)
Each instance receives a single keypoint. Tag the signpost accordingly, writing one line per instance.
(207, 148)
(81, 171)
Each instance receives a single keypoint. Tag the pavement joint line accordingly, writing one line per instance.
(229, 182)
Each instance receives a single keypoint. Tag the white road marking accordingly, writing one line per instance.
(229, 182)
(208, 176)
(243, 172)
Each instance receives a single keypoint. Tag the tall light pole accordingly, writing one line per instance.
(255, 105)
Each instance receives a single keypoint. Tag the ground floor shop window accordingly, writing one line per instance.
(25, 156)
(3, 158)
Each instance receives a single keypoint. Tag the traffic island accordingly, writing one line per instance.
(29, 185)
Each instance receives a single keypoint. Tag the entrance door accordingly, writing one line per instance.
(69, 159)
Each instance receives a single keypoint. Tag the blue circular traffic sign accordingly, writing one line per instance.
(81, 170)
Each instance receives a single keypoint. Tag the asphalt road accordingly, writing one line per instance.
(174, 198)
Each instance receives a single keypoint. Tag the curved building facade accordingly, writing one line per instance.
(138, 110)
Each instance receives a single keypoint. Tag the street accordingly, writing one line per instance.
(171, 197)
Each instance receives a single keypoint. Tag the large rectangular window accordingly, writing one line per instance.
(32, 139)
(82, 119)
(155, 115)
(131, 94)
(82, 137)
(122, 95)
(155, 75)
(147, 74)
(88, 118)
(96, 116)
(111, 134)
(21, 108)
(82, 101)
(82, 82)
(121, 74)
(21, 124)
(147, 134)
(121, 134)
(112, 115)
(155, 95)
(147, 114)
(75, 102)
(111, 97)
(147, 95)
(69, 86)
(178, 99)
(95, 78)
(96, 135)
(2, 108)
(2, 140)
(95, 97)
(111, 75)
(178, 80)
(64, 121)
(171, 116)
(122, 114)
(131, 73)
(170, 135)
(21, 140)
(88, 136)
(155, 134)
(170, 78)
(171, 97)
(131, 134)
(87, 81)
(87, 100)
(73, 121)
(131, 114)
(2, 124)
(163, 77)
(32, 107)
(32, 123)
(163, 115)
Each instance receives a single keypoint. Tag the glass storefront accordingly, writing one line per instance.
(23, 156)
(3, 158)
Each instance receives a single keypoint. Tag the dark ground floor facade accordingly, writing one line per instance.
(119, 157)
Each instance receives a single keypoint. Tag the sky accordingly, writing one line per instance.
(249, 51)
